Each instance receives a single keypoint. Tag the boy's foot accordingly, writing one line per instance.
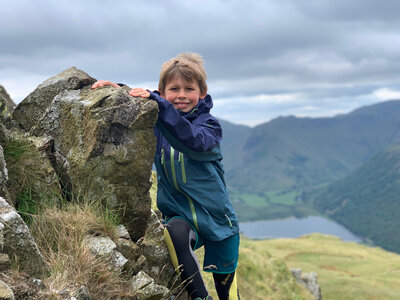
(206, 298)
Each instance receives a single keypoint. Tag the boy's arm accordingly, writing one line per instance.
(198, 142)
(181, 133)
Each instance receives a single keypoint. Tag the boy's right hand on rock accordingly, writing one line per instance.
(139, 92)
(101, 83)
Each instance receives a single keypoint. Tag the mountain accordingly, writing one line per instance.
(291, 152)
(367, 201)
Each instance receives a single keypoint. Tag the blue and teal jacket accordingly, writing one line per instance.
(189, 169)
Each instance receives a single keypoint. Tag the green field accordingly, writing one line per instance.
(261, 276)
(345, 270)
(273, 204)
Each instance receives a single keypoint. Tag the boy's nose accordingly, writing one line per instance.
(181, 94)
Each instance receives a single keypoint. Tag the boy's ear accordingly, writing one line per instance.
(203, 95)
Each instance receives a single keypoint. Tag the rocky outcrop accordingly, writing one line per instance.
(309, 281)
(100, 142)
(18, 242)
(6, 104)
(31, 109)
(91, 144)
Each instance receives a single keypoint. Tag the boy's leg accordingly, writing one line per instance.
(181, 239)
(221, 258)
(226, 286)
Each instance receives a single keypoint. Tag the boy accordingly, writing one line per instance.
(192, 195)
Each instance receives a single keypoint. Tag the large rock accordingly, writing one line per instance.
(31, 109)
(101, 142)
(18, 242)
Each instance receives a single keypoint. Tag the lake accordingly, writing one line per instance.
(293, 228)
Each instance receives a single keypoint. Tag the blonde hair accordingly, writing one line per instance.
(189, 66)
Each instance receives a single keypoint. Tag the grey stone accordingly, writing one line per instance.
(5, 292)
(103, 142)
(140, 281)
(31, 109)
(153, 247)
(7, 105)
(122, 232)
(105, 248)
(128, 249)
(18, 242)
(5, 262)
(309, 281)
(139, 265)
(144, 287)
(82, 293)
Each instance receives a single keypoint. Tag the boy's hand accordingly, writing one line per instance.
(101, 83)
(138, 92)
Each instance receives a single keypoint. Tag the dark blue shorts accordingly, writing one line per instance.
(222, 256)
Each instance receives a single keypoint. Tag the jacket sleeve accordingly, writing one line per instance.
(182, 134)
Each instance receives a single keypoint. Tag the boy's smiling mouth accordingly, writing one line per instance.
(181, 105)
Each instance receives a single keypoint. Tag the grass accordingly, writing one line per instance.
(59, 233)
(59, 227)
(345, 270)
(260, 275)
(30, 183)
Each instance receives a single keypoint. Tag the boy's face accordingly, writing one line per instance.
(183, 95)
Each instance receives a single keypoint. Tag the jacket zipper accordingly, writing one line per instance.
(194, 215)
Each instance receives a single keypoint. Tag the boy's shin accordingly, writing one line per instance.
(226, 286)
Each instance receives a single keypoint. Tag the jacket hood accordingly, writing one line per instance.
(204, 106)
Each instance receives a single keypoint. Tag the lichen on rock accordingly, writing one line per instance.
(102, 141)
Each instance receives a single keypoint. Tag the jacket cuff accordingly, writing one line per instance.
(155, 95)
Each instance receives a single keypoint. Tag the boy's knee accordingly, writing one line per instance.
(179, 231)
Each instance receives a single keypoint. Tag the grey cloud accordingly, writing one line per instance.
(320, 48)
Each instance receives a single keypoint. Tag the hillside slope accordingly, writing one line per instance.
(298, 152)
(367, 201)
(346, 271)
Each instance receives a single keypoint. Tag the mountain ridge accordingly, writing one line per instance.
(296, 152)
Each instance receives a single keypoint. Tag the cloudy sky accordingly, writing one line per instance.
(264, 58)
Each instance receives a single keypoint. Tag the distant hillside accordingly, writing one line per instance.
(345, 270)
(233, 139)
(367, 201)
(290, 152)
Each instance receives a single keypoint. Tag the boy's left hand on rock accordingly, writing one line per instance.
(102, 83)
(139, 92)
